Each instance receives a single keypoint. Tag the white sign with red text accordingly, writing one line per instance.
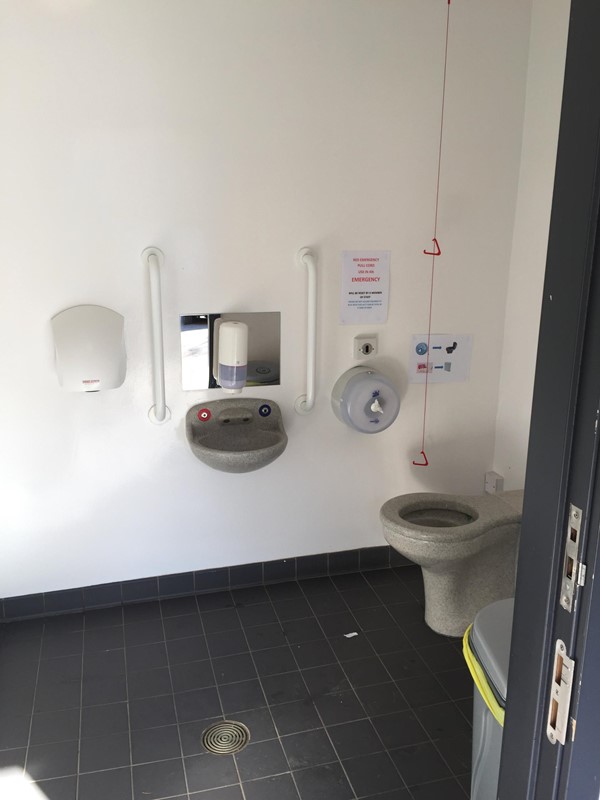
(365, 286)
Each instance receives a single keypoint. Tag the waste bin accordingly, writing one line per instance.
(486, 648)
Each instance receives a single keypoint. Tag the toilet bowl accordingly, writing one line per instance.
(465, 545)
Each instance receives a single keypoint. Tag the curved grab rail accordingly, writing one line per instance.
(154, 258)
(305, 403)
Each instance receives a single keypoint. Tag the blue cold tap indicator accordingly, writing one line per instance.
(264, 410)
(421, 348)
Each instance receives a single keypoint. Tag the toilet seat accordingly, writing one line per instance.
(484, 512)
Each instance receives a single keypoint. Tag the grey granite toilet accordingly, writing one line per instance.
(465, 545)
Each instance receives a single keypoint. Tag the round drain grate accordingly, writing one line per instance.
(225, 737)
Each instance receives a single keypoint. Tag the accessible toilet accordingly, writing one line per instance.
(465, 545)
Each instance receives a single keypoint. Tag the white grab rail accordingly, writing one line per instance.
(154, 258)
(306, 258)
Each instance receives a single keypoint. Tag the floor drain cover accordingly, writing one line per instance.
(225, 737)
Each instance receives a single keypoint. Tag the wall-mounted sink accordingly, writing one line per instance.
(237, 435)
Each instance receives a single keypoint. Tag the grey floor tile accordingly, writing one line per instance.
(160, 779)
(274, 660)
(55, 760)
(15, 757)
(456, 752)
(279, 787)
(284, 688)
(243, 696)
(448, 789)
(155, 744)
(197, 704)
(420, 763)
(339, 707)
(113, 783)
(226, 793)
(152, 712)
(14, 731)
(443, 721)
(193, 675)
(400, 729)
(225, 619)
(182, 627)
(384, 698)
(101, 720)
(259, 722)
(146, 656)
(295, 717)
(59, 788)
(372, 773)
(355, 739)
(149, 683)
(232, 669)
(192, 648)
(308, 749)
(313, 654)
(325, 679)
(261, 760)
(104, 752)
(326, 782)
(209, 771)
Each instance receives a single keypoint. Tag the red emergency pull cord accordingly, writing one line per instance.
(438, 250)
(424, 463)
(437, 247)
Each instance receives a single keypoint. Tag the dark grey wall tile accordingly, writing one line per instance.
(210, 580)
(67, 600)
(374, 557)
(246, 575)
(26, 605)
(311, 566)
(171, 585)
(104, 594)
(143, 589)
(282, 570)
(343, 561)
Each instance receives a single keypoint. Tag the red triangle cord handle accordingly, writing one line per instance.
(424, 463)
(437, 247)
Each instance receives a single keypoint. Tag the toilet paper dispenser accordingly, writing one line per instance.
(365, 400)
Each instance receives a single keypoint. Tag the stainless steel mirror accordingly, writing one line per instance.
(198, 340)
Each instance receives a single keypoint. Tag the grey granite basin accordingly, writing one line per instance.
(237, 435)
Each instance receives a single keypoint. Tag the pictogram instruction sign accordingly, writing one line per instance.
(365, 286)
(446, 358)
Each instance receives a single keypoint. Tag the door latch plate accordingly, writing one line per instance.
(560, 694)
(571, 573)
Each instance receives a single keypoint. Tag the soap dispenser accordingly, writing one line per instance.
(89, 348)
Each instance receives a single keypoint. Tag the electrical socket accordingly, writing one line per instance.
(493, 483)
(365, 345)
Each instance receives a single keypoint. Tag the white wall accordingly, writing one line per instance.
(229, 134)
(547, 50)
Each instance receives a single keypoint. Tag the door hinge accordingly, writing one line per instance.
(561, 685)
(572, 573)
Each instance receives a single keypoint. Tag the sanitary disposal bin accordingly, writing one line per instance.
(486, 647)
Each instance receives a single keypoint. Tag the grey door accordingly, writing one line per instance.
(562, 468)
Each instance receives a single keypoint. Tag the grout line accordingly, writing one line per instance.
(183, 766)
(219, 698)
(80, 710)
(127, 707)
(37, 677)
(291, 772)
(325, 728)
